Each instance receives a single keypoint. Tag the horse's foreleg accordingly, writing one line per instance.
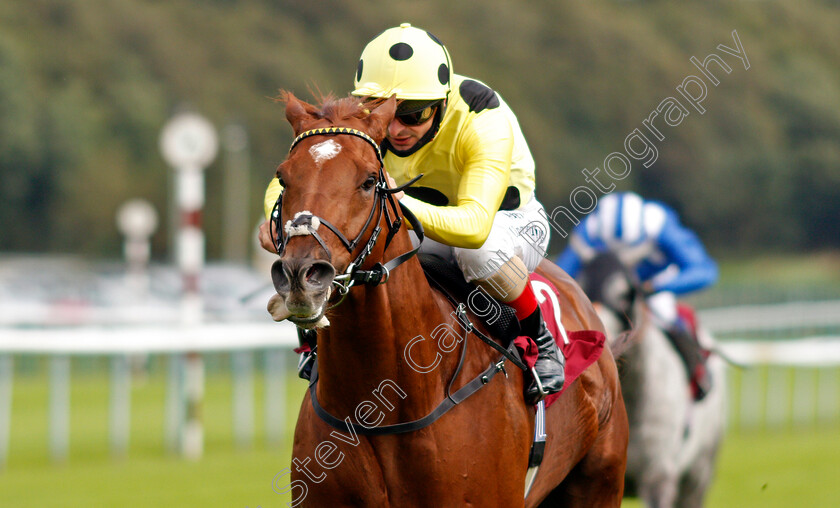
(660, 492)
(695, 482)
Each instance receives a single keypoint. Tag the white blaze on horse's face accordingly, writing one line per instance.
(324, 151)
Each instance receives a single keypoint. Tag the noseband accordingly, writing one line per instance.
(305, 223)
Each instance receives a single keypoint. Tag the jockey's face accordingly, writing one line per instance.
(403, 137)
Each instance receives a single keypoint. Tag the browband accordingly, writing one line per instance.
(339, 130)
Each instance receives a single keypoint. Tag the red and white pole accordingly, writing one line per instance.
(190, 184)
(189, 143)
(191, 261)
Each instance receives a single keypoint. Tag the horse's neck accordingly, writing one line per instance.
(382, 334)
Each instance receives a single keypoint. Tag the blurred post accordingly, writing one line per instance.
(120, 405)
(236, 223)
(243, 398)
(275, 396)
(59, 407)
(174, 403)
(137, 221)
(6, 369)
(189, 144)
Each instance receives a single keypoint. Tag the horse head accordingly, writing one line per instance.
(615, 292)
(332, 189)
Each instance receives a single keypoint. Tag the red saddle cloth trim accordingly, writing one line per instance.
(584, 348)
(687, 314)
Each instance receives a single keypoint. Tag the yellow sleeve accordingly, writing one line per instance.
(485, 146)
(271, 195)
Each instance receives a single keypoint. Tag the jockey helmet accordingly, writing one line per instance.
(625, 218)
(406, 61)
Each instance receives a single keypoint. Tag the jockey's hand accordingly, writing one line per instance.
(392, 184)
(266, 242)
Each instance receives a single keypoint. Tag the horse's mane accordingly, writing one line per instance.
(334, 109)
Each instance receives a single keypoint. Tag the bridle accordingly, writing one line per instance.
(383, 195)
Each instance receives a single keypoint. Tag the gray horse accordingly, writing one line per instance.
(673, 439)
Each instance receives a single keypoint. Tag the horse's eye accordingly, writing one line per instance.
(369, 183)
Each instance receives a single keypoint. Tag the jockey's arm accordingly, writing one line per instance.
(486, 148)
(581, 247)
(684, 249)
(570, 261)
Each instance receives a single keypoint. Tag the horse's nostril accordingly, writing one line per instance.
(319, 274)
(294, 275)
(279, 277)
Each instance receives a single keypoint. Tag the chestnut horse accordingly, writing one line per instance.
(378, 362)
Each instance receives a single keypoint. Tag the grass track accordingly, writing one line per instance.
(763, 470)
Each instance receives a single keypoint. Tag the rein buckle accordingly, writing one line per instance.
(500, 366)
(461, 314)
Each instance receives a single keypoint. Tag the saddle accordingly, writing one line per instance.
(582, 349)
(447, 277)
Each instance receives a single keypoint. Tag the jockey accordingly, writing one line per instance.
(476, 199)
(667, 257)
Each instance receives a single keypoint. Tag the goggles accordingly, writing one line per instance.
(418, 116)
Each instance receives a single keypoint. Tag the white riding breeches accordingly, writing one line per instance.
(663, 308)
(523, 233)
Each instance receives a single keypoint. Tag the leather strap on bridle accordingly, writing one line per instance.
(379, 273)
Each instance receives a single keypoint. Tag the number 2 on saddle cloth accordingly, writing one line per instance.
(581, 348)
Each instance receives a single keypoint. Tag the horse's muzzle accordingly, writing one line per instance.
(304, 285)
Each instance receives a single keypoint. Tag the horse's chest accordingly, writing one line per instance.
(396, 471)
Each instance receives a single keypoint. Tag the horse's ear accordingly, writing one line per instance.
(380, 118)
(296, 112)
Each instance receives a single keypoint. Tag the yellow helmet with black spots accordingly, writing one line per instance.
(406, 61)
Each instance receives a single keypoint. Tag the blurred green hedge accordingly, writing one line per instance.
(86, 86)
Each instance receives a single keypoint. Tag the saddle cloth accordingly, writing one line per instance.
(584, 347)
